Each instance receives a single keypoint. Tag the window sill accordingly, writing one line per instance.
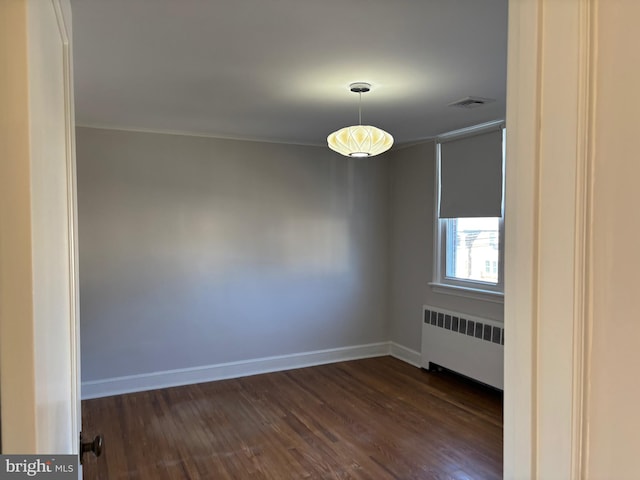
(475, 293)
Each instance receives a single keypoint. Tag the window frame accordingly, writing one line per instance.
(441, 283)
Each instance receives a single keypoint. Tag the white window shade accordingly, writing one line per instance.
(471, 176)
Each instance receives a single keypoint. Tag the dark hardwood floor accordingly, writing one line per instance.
(371, 419)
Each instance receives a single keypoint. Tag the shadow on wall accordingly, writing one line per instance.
(197, 251)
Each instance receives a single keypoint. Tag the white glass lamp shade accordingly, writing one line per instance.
(360, 141)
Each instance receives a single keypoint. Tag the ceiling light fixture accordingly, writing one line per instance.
(360, 140)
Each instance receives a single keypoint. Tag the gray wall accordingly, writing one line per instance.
(412, 172)
(198, 251)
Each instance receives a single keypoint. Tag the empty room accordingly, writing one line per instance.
(221, 237)
(289, 240)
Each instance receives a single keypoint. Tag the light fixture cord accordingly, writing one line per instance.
(360, 109)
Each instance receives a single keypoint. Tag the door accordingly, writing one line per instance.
(39, 334)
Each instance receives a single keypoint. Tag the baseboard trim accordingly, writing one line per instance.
(186, 376)
(405, 354)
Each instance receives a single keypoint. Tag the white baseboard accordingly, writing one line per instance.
(405, 354)
(209, 373)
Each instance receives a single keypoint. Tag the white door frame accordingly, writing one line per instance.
(64, 15)
(549, 110)
(39, 334)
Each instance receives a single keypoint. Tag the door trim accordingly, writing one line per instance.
(550, 100)
(62, 10)
(25, 405)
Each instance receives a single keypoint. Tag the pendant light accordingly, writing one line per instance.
(360, 140)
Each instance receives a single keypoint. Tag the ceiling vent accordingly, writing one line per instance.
(470, 102)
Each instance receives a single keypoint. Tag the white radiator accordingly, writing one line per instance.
(465, 344)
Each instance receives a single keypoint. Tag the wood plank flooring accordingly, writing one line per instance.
(372, 419)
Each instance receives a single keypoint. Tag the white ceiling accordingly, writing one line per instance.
(279, 70)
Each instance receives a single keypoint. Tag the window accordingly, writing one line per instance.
(471, 256)
(470, 182)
